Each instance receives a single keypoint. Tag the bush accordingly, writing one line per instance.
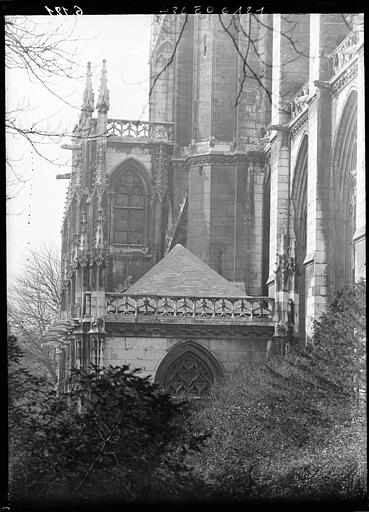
(113, 437)
(295, 426)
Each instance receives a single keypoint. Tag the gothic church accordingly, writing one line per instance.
(211, 236)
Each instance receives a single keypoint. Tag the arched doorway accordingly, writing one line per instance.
(188, 370)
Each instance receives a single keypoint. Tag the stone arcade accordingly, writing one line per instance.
(214, 233)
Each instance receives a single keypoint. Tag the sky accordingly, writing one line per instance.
(35, 212)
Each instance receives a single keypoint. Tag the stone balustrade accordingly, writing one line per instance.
(298, 102)
(344, 53)
(238, 308)
(141, 130)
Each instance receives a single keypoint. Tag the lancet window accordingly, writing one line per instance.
(97, 352)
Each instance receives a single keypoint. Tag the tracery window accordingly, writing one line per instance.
(129, 209)
(189, 370)
(188, 376)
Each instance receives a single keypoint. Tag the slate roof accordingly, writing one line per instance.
(180, 273)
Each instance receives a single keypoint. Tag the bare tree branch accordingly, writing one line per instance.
(43, 52)
(253, 73)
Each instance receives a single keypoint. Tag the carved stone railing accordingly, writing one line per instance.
(344, 53)
(298, 102)
(239, 308)
(141, 129)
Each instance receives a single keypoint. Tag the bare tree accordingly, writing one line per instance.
(33, 305)
(42, 54)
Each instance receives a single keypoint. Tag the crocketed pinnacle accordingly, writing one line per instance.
(103, 102)
(88, 95)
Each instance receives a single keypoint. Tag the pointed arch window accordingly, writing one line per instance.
(188, 376)
(129, 209)
(189, 370)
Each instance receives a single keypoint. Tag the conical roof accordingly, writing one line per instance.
(180, 273)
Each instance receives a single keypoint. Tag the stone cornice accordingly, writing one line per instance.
(148, 142)
(180, 163)
(208, 159)
(190, 327)
(124, 251)
(223, 158)
(299, 122)
(339, 81)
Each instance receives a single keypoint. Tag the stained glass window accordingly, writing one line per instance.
(129, 209)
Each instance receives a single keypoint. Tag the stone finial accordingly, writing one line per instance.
(103, 101)
(88, 95)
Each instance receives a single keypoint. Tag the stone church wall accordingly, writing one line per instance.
(117, 153)
(148, 352)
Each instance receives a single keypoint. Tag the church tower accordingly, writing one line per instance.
(117, 201)
(219, 110)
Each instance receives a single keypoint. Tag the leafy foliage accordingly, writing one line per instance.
(113, 436)
(295, 427)
(25, 396)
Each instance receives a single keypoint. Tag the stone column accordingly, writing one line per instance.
(278, 158)
(290, 72)
(279, 204)
(288, 75)
(319, 163)
(360, 231)
(254, 232)
(199, 208)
